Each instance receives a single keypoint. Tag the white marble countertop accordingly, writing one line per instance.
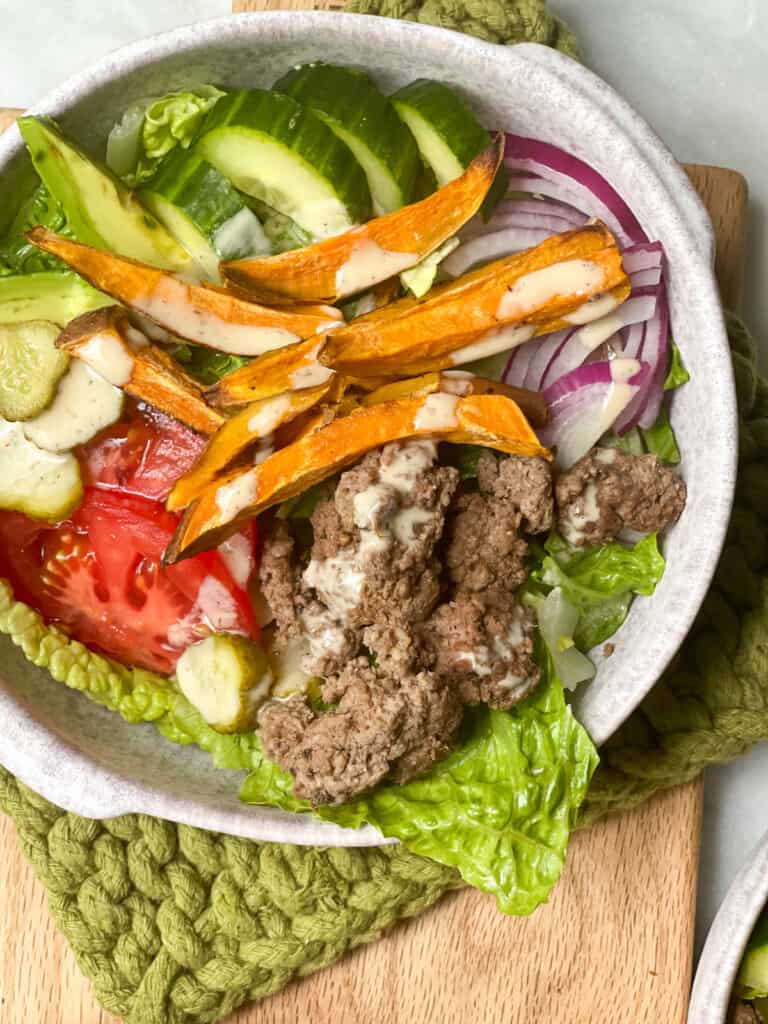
(696, 71)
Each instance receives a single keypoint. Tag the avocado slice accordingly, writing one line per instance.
(47, 295)
(100, 210)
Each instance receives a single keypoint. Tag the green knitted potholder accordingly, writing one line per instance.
(175, 925)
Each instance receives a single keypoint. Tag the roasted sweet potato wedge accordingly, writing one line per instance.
(257, 422)
(203, 314)
(491, 420)
(346, 264)
(459, 382)
(112, 347)
(534, 292)
(285, 369)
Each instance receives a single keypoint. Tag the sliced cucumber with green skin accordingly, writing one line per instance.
(99, 209)
(272, 148)
(226, 677)
(35, 482)
(202, 210)
(351, 105)
(48, 295)
(448, 134)
(30, 368)
(752, 979)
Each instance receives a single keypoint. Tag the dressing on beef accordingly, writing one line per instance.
(608, 490)
(407, 601)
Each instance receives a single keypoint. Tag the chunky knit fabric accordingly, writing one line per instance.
(175, 925)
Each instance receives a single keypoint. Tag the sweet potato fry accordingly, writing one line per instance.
(457, 382)
(284, 369)
(204, 314)
(491, 420)
(346, 264)
(112, 347)
(535, 291)
(256, 422)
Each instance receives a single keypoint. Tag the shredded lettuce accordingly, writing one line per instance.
(499, 808)
(151, 128)
(677, 373)
(206, 364)
(600, 582)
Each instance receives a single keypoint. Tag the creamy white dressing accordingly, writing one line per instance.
(367, 505)
(338, 581)
(621, 393)
(582, 514)
(606, 455)
(237, 495)
(593, 309)
(84, 404)
(500, 339)
(264, 450)
(241, 235)
(601, 330)
(536, 288)
(170, 305)
(310, 376)
(437, 412)
(109, 356)
(269, 415)
(368, 264)
(237, 555)
(480, 661)
(401, 469)
(406, 523)
(135, 338)
(215, 605)
(324, 633)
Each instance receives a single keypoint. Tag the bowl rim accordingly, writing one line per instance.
(681, 203)
(727, 938)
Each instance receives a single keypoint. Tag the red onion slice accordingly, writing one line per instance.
(579, 184)
(485, 248)
(653, 350)
(585, 404)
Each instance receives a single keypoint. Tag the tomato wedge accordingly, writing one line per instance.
(142, 454)
(98, 575)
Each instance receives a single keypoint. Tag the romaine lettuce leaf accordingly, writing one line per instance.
(600, 582)
(17, 255)
(206, 364)
(150, 129)
(660, 440)
(499, 808)
(677, 373)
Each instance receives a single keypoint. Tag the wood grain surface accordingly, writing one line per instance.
(614, 944)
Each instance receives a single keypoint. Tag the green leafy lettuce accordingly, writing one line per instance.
(499, 808)
(206, 364)
(150, 129)
(657, 440)
(677, 373)
(600, 582)
(17, 255)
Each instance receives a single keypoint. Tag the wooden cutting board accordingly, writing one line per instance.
(614, 944)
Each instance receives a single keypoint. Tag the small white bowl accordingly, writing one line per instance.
(727, 939)
(87, 759)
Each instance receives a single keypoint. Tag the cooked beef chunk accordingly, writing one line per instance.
(484, 554)
(608, 490)
(520, 483)
(278, 579)
(743, 1013)
(331, 643)
(398, 650)
(372, 557)
(381, 726)
(486, 653)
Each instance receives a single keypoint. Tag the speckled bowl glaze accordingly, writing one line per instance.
(727, 939)
(90, 761)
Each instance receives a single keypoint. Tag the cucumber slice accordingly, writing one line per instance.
(447, 133)
(84, 404)
(38, 483)
(30, 368)
(272, 148)
(100, 210)
(202, 210)
(752, 979)
(226, 677)
(48, 295)
(351, 105)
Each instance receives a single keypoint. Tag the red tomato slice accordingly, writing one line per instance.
(99, 576)
(143, 454)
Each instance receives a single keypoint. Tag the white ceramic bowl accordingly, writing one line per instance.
(727, 939)
(87, 759)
